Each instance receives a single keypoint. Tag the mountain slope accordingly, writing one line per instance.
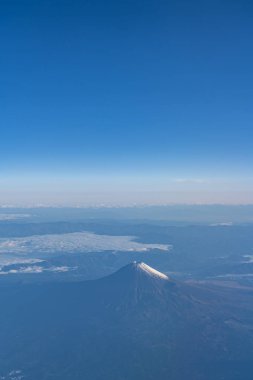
(134, 324)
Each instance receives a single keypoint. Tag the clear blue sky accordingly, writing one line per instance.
(126, 95)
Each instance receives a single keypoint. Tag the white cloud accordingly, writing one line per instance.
(192, 180)
(76, 242)
(36, 269)
(8, 259)
(6, 217)
(13, 375)
(228, 224)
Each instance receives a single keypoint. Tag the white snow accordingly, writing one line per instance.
(151, 271)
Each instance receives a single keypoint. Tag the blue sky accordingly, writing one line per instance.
(126, 96)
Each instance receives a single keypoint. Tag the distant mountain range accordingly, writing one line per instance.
(136, 324)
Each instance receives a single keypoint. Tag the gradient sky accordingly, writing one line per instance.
(126, 101)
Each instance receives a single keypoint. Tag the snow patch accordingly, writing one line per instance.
(151, 271)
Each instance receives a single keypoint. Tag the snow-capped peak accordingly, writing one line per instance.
(150, 271)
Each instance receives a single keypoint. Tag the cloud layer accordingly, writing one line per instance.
(35, 269)
(76, 242)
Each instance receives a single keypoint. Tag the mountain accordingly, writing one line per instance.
(134, 324)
